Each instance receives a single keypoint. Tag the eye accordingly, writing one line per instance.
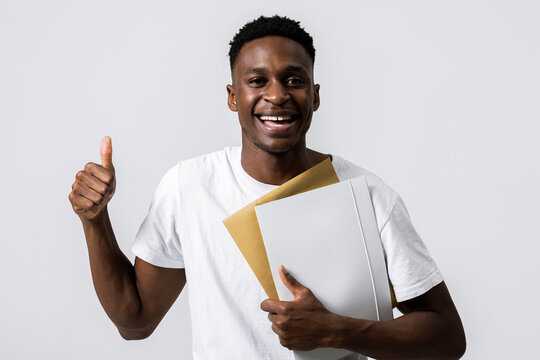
(256, 82)
(295, 81)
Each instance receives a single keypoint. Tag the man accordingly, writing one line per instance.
(183, 238)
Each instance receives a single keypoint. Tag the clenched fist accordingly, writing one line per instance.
(94, 186)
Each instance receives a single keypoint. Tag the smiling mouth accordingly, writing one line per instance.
(275, 118)
(277, 122)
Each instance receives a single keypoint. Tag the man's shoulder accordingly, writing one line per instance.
(219, 158)
(196, 175)
(346, 169)
(383, 196)
(209, 164)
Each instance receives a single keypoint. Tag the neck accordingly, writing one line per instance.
(276, 169)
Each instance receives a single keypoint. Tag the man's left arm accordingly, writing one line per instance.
(429, 329)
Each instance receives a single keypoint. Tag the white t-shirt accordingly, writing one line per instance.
(184, 229)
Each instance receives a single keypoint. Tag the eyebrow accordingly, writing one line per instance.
(289, 68)
(294, 68)
(256, 70)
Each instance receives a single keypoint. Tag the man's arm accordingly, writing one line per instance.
(429, 329)
(134, 297)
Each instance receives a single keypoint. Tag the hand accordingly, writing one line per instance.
(94, 186)
(302, 324)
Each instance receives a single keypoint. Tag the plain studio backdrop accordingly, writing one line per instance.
(439, 98)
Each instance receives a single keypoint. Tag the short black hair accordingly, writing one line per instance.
(270, 26)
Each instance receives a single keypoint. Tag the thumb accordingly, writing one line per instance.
(290, 282)
(106, 153)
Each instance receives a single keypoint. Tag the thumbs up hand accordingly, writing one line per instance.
(95, 185)
(301, 324)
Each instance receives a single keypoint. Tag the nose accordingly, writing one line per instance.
(276, 93)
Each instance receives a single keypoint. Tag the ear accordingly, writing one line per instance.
(316, 98)
(231, 98)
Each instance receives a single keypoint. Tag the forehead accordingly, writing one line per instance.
(272, 53)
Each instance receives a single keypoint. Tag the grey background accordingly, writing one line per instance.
(439, 98)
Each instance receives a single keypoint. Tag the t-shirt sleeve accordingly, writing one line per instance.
(158, 240)
(411, 269)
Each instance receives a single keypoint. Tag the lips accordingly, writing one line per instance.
(277, 122)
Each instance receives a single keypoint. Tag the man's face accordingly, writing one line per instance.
(273, 93)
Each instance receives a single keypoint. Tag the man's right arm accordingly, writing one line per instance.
(134, 297)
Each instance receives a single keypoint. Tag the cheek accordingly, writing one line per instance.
(303, 96)
(306, 100)
(246, 99)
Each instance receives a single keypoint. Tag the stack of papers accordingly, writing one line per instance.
(328, 240)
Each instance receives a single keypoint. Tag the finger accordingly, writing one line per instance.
(289, 281)
(106, 153)
(100, 172)
(86, 179)
(80, 203)
(71, 198)
(277, 321)
(271, 306)
(87, 192)
(277, 330)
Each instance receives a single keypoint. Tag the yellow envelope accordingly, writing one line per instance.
(244, 227)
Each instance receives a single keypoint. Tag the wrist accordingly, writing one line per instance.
(97, 228)
(337, 331)
(98, 220)
(346, 330)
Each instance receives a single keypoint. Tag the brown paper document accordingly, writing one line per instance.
(244, 227)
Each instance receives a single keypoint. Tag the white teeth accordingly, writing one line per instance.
(276, 118)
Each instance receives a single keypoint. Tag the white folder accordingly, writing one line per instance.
(329, 241)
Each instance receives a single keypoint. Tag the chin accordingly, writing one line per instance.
(274, 149)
